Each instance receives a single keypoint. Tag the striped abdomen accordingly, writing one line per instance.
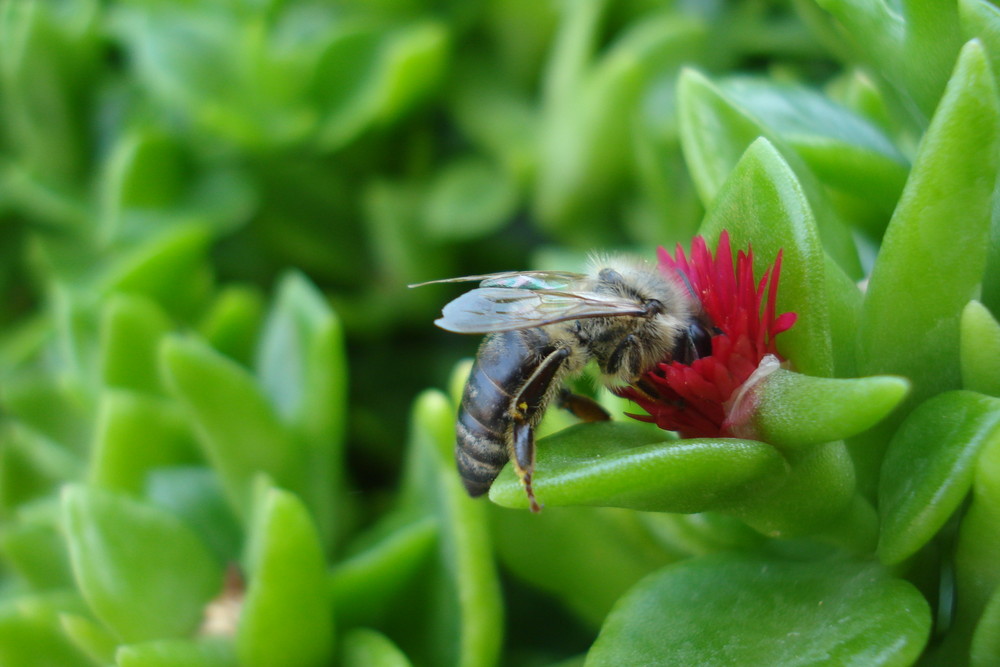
(505, 363)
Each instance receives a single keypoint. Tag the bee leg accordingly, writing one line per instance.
(617, 356)
(583, 408)
(524, 459)
(527, 408)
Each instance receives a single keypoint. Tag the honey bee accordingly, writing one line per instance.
(543, 326)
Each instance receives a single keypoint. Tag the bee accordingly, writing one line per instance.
(544, 326)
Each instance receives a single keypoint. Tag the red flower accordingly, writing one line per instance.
(703, 399)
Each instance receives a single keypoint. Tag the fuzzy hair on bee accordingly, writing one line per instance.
(543, 326)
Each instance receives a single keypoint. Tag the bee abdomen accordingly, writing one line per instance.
(480, 451)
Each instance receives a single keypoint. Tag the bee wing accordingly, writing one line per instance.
(489, 309)
(531, 280)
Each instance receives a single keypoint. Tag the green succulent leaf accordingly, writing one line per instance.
(464, 627)
(589, 106)
(817, 499)
(979, 348)
(131, 329)
(33, 548)
(795, 410)
(929, 466)
(238, 427)
(30, 635)
(986, 641)
(146, 170)
(413, 60)
(368, 581)
(955, 170)
(195, 494)
(844, 150)
(32, 464)
(762, 205)
(135, 434)
(92, 638)
(845, 613)
(49, 62)
(912, 47)
(534, 548)
(981, 20)
(977, 578)
(174, 652)
(469, 199)
(233, 323)
(618, 464)
(302, 368)
(368, 648)
(286, 616)
(141, 570)
(169, 267)
(716, 132)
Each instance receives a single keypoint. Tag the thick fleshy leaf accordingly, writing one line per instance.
(286, 617)
(980, 350)
(465, 625)
(413, 58)
(816, 500)
(50, 62)
(912, 45)
(499, 118)
(589, 109)
(844, 300)
(977, 577)
(615, 551)
(618, 464)
(238, 428)
(364, 584)
(986, 641)
(32, 465)
(929, 466)
(468, 199)
(169, 268)
(33, 548)
(233, 323)
(955, 170)
(303, 370)
(368, 76)
(92, 638)
(30, 633)
(368, 648)
(131, 329)
(145, 170)
(176, 652)
(787, 613)
(762, 205)
(794, 410)
(141, 570)
(137, 433)
(716, 132)
(981, 20)
(582, 136)
(195, 494)
(843, 149)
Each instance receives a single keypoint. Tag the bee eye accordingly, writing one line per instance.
(695, 343)
(701, 340)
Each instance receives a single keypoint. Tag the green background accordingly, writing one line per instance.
(226, 425)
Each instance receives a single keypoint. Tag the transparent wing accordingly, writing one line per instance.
(489, 309)
(528, 280)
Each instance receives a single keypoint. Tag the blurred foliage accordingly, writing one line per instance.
(213, 449)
